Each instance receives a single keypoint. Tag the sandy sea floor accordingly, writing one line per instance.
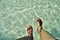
(16, 15)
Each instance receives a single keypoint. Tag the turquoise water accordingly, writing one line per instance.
(16, 15)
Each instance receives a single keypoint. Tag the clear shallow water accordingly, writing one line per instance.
(16, 15)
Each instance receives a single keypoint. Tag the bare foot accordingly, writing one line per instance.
(39, 24)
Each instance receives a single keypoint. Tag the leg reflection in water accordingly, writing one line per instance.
(29, 34)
